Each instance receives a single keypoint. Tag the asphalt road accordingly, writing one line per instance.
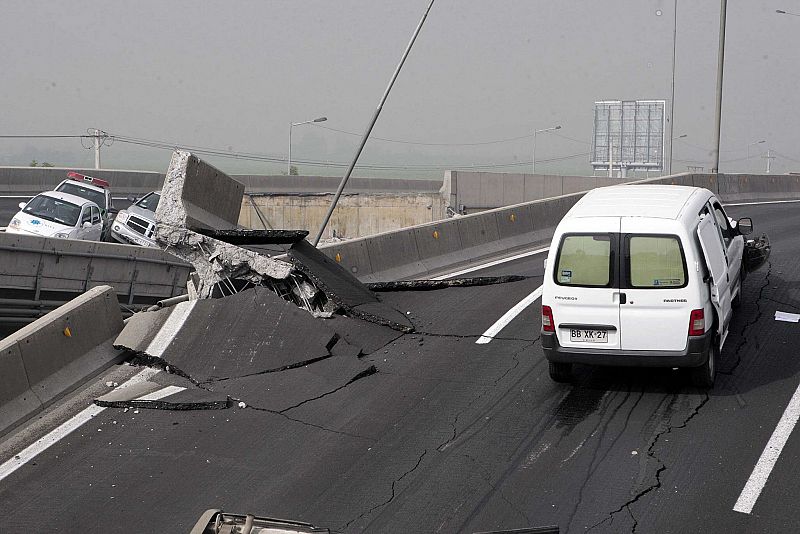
(453, 436)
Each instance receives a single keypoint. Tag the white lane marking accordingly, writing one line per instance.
(758, 478)
(161, 393)
(70, 425)
(177, 318)
(761, 202)
(491, 263)
(507, 317)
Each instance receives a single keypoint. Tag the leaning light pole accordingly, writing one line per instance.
(720, 64)
(533, 158)
(370, 126)
(292, 125)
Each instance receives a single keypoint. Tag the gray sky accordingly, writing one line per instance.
(232, 75)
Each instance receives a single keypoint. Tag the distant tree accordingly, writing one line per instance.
(293, 171)
(46, 164)
(34, 163)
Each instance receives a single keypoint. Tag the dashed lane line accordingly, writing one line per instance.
(758, 478)
(509, 316)
(78, 420)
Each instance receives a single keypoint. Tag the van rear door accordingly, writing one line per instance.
(585, 298)
(655, 311)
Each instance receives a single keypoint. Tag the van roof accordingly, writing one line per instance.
(655, 201)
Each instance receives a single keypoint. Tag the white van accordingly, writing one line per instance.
(644, 276)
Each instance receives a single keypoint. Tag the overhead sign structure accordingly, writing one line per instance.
(629, 135)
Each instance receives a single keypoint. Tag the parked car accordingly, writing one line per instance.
(94, 189)
(56, 214)
(137, 224)
(643, 276)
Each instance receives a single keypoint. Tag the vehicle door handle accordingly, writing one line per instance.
(623, 298)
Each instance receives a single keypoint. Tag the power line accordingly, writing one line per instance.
(44, 136)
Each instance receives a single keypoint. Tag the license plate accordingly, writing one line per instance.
(140, 241)
(579, 335)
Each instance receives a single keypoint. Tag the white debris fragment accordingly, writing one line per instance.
(242, 404)
(634, 453)
(111, 384)
(787, 317)
(135, 411)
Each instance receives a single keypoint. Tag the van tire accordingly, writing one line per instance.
(704, 375)
(560, 372)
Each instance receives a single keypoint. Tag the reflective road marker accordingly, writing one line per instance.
(758, 478)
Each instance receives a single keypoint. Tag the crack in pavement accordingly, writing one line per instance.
(498, 491)
(595, 462)
(454, 423)
(393, 495)
(661, 468)
(295, 365)
(745, 339)
(369, 371)
(306, 423)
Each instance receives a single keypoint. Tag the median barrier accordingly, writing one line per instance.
(514, 226)
(480, 237)
(393, 256)
(352, 255)
(439, 245)
(58, 352)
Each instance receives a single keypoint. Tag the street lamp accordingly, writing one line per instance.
(292, 125)
(753, 144)
(533, 159)
(782, 12)
(720, 69)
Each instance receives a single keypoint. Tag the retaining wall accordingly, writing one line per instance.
(51, 356)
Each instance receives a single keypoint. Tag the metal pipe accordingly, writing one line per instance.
(166, 303)
(720, 65)
(370, 126)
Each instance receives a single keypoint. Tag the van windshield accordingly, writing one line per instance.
(149, 201)
(584, 260)
(84, 192)
(655, 262)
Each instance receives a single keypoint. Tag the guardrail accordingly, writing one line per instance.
(38, 274)
(51, 356)
(425, 250)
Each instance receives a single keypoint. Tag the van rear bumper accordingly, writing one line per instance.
(695, 355)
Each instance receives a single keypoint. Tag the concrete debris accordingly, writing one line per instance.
(428, 285)
(756, 253)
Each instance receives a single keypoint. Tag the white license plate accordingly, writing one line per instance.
(140, 241)
(579, 335)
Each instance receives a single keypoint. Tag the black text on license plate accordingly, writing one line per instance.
(580, 335)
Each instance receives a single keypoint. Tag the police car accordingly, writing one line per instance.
(94, 189)
(56, 214)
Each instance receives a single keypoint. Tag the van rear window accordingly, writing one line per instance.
(656, 262)
(584, 260)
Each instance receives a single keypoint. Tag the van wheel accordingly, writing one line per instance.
(561, 372)
(704, 375)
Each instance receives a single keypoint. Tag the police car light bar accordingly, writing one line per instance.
(83, 178)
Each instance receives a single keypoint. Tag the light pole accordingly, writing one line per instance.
(753, 144)
(533, 159)
(672, 98)
(292, 125)
(782, 12)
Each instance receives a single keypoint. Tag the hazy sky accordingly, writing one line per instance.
(232, 75)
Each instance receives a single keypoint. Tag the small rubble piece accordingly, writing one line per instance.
(787, 317)
(756, 253)
(110, 384)
(429, 285)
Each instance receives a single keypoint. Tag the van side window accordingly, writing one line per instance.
(724, 224)
(95, 215)
(584, 260)
(655, 262)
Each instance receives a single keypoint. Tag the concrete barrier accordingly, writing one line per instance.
(426, 250)
(51, 356)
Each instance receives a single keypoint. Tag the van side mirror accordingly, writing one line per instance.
(131, 198)
(745, 226)
(21, 205)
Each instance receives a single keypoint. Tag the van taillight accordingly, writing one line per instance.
(697, 323)
(548, 325)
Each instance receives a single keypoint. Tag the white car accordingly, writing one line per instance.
(54, 214)
(644, 276)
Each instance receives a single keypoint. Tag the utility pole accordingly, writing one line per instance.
(672, 98)
(769, 157)
(720, 65)
(97, 144)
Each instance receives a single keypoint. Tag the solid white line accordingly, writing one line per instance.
(758, 478)
(491, 263)
(70, 425)
(762, 202)
(161, 393)
(177, 318)
(503, 321)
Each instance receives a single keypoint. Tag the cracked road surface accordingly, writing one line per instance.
(447, 435)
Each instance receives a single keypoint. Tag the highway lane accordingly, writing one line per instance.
(452, 436)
